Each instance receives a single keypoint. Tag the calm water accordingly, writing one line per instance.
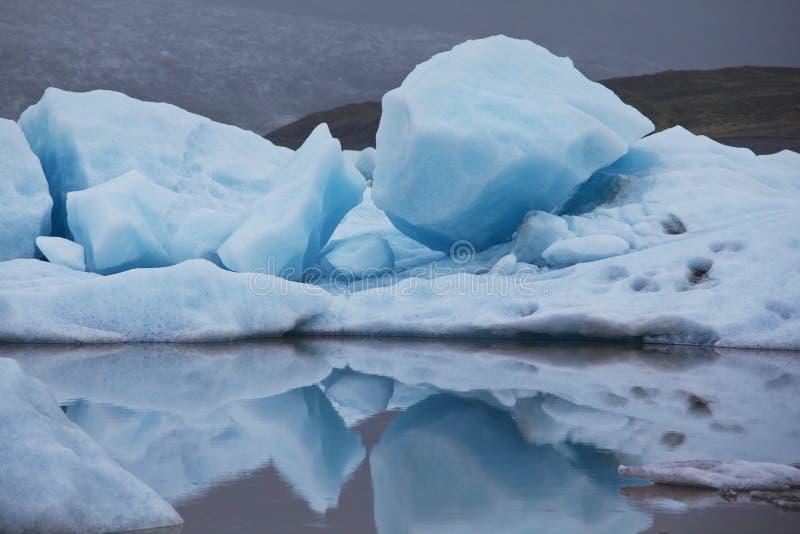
(326, 435)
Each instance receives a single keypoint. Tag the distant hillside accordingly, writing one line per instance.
(755, 107)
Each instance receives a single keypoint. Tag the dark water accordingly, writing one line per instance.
(419, 436)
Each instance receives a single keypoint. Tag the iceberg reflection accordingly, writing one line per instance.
(419, 435)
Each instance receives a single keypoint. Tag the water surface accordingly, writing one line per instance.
(332, 435)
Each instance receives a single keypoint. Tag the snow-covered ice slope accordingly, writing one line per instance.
(24, 199)
(739, 475)
(54, 478)
(476, 137)
(712, 259)
(216, 170)
(191, 301)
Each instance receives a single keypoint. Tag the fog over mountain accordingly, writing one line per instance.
(261, 63)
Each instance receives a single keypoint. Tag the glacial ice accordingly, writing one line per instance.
(122, 223)
(358, 256)
(55, 478)
(738, 475)
(24, 199)
(192, 301)
(290, 225)
(363, 160)
(62, 252)
(478, 136)
(566, 252)
(216, 171)
(699, 219)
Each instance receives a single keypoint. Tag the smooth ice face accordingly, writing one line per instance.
(192, 301)
(55, 478)
(62, 252)
(24, 199)
(478, 136)
(86, 139)
(289, 227)
(584, 249)
(363, 160)
(121, 223)
(359, 256)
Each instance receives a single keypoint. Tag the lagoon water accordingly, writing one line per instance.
(389, 435)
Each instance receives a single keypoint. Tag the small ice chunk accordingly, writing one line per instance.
(738, 475)
(584, 249)
(54, 478)
(538, 231)
(120, 223)
(359, 256)
(24, 199)
(363, 160)
(62, 251)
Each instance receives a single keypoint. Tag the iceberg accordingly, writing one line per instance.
(699, 218)
(738, 475)
(476, 137)
(55, 478)
(290, 226)
(192, 301)
(24, 199)
(216, 171)
(62, 252)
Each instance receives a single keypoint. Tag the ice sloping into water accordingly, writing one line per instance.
(192, 301)
(739, 475)
(215, 170)
(476, 137)
(24, 199)
(55, 478)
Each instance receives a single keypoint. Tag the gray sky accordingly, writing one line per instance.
(261, 63)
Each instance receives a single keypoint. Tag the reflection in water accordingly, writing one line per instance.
(483, 436)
